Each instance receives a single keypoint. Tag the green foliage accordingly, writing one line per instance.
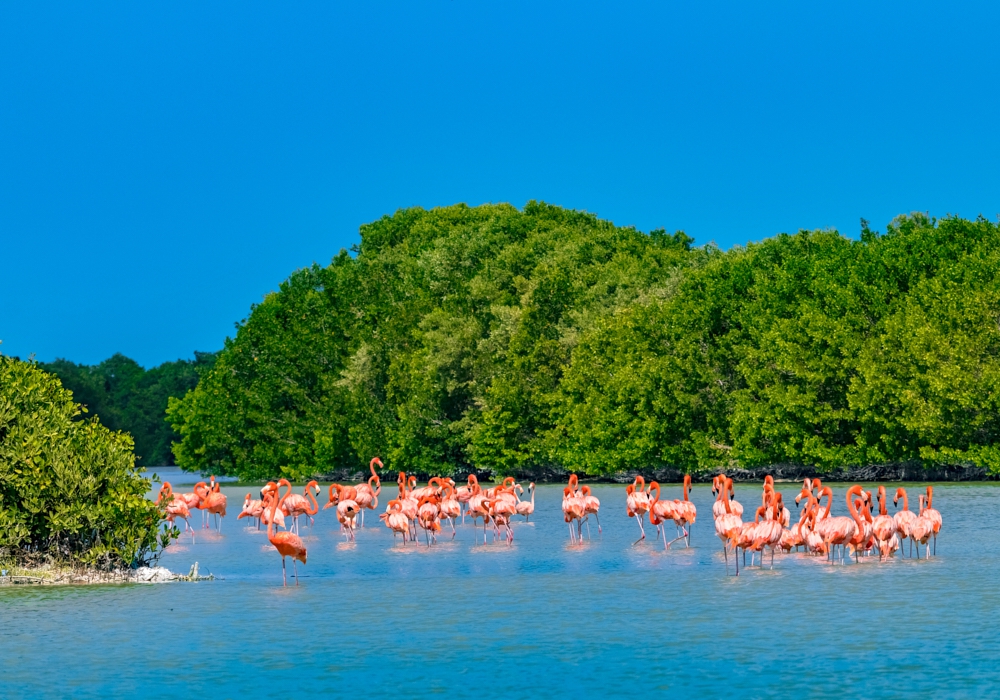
(438, 347)
(68, 488)
(501, 339)
(811, 349)
(127, 397)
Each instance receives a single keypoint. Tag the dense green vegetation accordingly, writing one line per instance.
(69, 488)
(506, 339)
(125, 396)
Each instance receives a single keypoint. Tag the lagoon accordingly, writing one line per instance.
(462, 619)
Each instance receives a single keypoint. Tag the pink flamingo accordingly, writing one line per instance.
(367, 493)
(884, 527)
(450, 507)
(175, 507)
(428, 516)
(252, 508)
(933, 515)
(279, 516)
(591, 506)
(295, 505)
(347, 508)
(212, 501)
(287, 543)
(395, 519)
(526, 508)
(734, 506)
(637, 504)
(728, 525)
(841, 530)
(862, 539)
(686, 512)
(464, 493)
(656, 512)
(921, 529)
(903, 517)
(573, 510)
(768, 532)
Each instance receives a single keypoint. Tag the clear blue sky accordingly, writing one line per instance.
(164, 165)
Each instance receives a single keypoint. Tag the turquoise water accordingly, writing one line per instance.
(467, 620)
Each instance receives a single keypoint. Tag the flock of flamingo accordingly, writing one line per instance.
(816, 531)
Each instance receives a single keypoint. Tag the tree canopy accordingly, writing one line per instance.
(498, 339)
(125, 396)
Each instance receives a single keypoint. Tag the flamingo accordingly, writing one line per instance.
(347, 508)
(840, 530)
(573, 509)
(884, 527)
(921, 529)
(476, 508)
(367, 493)
(504, 507)
(591, 505)
(428, 516)
(287, 543)
(637, 504)
(718, 509)
(785, 517)
(175, 507)
(728, 525)
(295, 505)
(464, 493)
(686, 511)
(526, 508)
(658, 511)
(903, 517)
(501, 510)
(769, 531)
(450, 507)
(863, 537)
(213, 501)
(251, 509)
(395, 519)
(813, 540)
(933, 515)
(279, 516)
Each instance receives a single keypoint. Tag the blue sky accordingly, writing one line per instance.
(164, 165)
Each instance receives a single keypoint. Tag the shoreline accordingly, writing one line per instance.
(55, 575)
(903, 472)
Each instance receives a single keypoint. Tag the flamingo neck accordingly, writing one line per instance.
(851, 507)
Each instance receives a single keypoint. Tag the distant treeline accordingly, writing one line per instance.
(498, 339)
(125, 396)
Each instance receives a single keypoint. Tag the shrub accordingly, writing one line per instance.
(69, 489)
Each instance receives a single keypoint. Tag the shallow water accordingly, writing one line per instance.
(463, 619)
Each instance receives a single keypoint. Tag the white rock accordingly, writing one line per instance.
(153, 574)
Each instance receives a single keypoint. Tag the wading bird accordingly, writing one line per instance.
(287, 543)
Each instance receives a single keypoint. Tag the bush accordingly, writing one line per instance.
(69, 489)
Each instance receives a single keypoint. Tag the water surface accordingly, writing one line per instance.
(462, 619)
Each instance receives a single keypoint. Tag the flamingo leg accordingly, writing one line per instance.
(295, 571)
(284, 577)
(599, 531)
(588, 528)
(572, 535)
(725, 553)
(638, 519)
